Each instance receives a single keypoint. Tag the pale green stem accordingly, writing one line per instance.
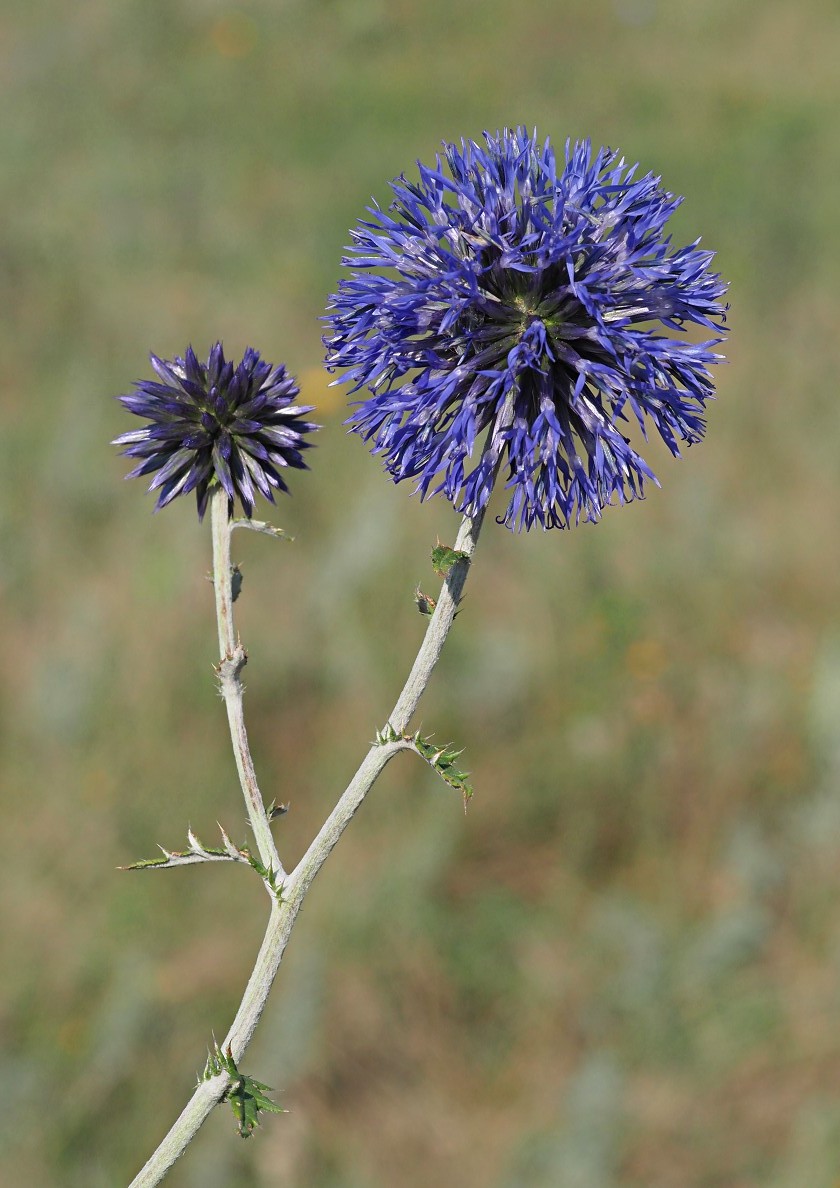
(283, 914)
(233, 659)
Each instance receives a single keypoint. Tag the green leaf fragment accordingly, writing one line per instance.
(389, 735)
(442, 759)
(144, 863)
(197, 852)
(267, 873)
(247, 1096)
(247, 1102)
(443, 558)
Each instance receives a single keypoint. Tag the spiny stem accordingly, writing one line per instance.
(208, 1094)
(402, 713)
(232, 660)
(439, 625)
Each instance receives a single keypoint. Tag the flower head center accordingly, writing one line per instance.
(529, 306)
(217, 414)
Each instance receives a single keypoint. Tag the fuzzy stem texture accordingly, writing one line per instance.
(284, 912)
(232, 659)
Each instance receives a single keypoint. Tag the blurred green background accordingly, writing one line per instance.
(622, 968)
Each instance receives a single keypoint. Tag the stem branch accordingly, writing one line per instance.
(284, 913)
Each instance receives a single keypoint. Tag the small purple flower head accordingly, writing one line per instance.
(213, 423)
(542, 304)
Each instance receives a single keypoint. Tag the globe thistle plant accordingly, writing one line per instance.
(541, 303)
(506, 315)
(216, 423)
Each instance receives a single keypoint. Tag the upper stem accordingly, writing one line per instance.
(222, 571)
(439, 624)
(233, 659)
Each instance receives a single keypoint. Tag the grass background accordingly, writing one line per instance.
(623, 967)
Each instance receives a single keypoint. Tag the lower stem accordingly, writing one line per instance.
(209, 1093)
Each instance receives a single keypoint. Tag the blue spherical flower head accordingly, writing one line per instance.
(544, 305)
(213, 422)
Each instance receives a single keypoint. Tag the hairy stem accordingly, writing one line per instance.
(233, 659)
(284, 913)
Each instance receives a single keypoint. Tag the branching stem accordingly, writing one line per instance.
(284, 913)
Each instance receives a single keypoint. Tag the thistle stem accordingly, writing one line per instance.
(233, 659)
(439, 625)
(209, 1093)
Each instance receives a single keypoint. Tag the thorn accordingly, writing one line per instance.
(228, 844)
